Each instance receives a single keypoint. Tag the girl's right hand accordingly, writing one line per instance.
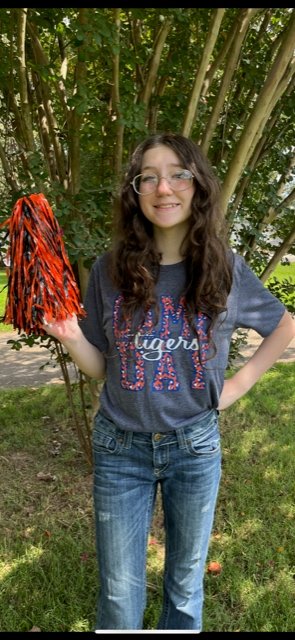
(86, 356)
(64, 330)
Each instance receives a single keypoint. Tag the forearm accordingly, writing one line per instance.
(87, 357)
(266, 355)
(270, 349)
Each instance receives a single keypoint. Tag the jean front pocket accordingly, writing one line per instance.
(106, 437)
(205, 442)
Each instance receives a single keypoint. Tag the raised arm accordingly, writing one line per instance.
(266, 355)
(86, 356)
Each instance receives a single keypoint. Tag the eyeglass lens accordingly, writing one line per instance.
(146, 183)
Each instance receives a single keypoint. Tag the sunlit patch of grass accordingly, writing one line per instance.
(283, 271)
(30, 555)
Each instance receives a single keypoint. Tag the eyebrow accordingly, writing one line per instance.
(172, 164)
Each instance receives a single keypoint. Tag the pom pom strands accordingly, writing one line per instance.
(41, 282)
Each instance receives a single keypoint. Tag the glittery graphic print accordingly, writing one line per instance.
(131, 360)
(165, 375)
(153, 353)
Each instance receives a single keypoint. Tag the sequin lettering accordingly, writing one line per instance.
(155, 347)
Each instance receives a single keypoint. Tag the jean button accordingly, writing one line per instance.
(157, 436)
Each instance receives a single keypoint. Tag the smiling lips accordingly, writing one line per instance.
(166, 206)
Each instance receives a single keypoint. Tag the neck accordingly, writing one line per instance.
(168, 242)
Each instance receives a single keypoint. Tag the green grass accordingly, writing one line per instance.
(47, 560)
(48, 576)
(254, 537)
(3, 296)
(283, 271)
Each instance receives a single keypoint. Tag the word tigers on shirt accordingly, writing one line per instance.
(161, 347)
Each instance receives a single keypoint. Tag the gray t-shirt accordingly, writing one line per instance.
(160, 382)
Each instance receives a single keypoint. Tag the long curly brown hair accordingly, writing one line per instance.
(135, 258)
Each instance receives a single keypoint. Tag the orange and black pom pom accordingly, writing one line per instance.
(41, 282)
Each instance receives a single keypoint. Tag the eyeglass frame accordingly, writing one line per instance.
(189, 179)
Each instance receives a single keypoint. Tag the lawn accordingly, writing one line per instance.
(283, 271)
(47, 556)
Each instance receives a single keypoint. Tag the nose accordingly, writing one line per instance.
(163, 185)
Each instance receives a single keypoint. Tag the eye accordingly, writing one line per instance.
(145, 178)
(182, 175)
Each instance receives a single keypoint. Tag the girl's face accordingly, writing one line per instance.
(166, 208)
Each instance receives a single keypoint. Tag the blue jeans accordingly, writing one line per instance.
(128, 466)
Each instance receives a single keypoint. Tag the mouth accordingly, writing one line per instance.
(171, 205)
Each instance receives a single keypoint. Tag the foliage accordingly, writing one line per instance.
(284, 290)
(238, 340)
(92, 82)
(281, 283)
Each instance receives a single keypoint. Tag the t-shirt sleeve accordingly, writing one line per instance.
(257, 307)
(92, 324)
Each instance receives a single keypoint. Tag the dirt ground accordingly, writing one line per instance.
(22, 368)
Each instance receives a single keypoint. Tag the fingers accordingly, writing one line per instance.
(47, 324)
(51, 322)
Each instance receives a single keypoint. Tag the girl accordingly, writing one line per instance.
(162, 306)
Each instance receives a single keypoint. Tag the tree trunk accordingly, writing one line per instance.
(192, 107)
(25, 107)
(155, 60)
(116, 102)
(233, 56)
(239, 159)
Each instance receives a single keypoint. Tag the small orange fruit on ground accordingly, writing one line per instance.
(214, 567)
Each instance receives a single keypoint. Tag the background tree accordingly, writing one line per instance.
(79, 88)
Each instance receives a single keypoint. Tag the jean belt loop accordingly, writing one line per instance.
(181, 438)
(127, 441)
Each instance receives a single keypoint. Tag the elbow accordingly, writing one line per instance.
(292, 324)
(287, 323)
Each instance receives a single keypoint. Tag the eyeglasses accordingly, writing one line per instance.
(146, 183)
